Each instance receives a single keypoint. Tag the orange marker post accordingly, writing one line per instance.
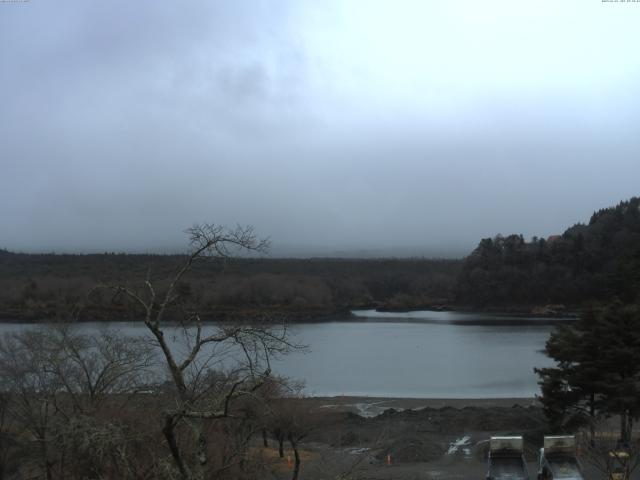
(289, 462)
(389, 460)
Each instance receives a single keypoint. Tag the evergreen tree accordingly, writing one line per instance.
(597, 371)
(599, 261)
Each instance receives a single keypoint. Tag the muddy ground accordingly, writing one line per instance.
(411, 439)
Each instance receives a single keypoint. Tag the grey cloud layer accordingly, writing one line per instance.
(124, 122)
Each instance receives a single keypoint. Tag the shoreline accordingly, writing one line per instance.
(372, 406)
(506, 316)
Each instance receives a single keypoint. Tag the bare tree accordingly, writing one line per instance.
(209, 366)
(58, 380)
(94, 368)
(32, 389)
(290, 419)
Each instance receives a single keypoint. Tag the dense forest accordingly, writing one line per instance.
(599, 261)
(43, 286)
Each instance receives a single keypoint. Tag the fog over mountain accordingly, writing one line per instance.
(355, 128)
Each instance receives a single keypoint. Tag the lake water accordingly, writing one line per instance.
(415, 354)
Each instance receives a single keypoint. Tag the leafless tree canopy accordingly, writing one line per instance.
(60, 388)
(101, 406)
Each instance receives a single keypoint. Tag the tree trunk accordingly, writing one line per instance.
(624, 428)
(280, 446)
(201, 452)
(592, 414)
(46, 464)
(173, 447)
(296, 467)
(265, 442)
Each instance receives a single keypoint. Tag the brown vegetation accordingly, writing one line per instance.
(41, 287)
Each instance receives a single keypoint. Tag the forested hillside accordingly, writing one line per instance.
(594, 262)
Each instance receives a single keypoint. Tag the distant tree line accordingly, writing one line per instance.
(41, 286)
(599, 261)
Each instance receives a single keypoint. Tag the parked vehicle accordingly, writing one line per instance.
(506, 459)
(618, 465)
(558, 460)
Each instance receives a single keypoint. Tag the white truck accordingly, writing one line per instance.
(506, 459)
(557, 459)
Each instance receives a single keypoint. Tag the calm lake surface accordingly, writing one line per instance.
(414, 354)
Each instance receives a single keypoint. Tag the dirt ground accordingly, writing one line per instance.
(365, 438)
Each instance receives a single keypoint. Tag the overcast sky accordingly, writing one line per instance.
(331, 126)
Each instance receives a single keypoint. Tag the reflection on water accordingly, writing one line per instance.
(414, 354)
